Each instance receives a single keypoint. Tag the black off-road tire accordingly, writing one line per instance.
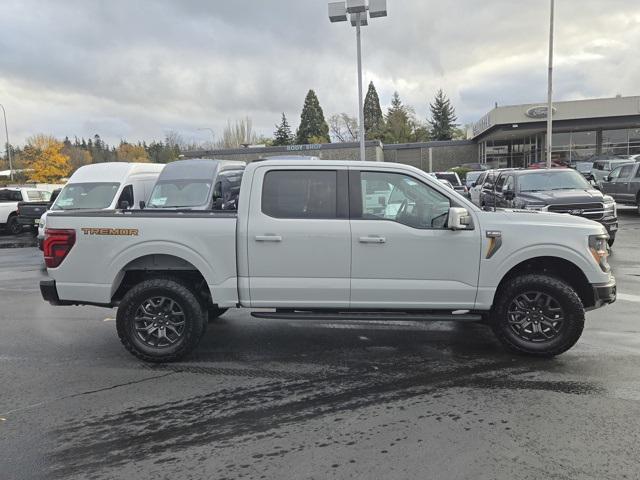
(194, 315)
(13, 227)
(566, 297)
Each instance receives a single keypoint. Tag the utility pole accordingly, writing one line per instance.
(6, 131)
(550, 89)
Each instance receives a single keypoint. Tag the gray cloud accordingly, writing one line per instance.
(135, 69)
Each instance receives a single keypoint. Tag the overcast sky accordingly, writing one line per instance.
(135, 69)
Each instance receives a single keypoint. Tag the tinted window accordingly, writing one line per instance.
(500, 182)
(488, 182)
(180, 193)
(126, 196)
(10, 196)
(481, 179)
(625, 172)
(86, 195)
(405, 200)
(226, 191)
(473, 177)
(544, 181)
(300, 194)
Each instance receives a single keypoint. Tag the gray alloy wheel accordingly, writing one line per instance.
(159, 322)
(535, 316)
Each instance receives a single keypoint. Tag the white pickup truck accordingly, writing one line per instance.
(9, 199)
(306, 244)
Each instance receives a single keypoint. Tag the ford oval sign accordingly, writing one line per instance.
(538, 112)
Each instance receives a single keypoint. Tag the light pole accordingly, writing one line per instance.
(550, 89)
(213, 135)
(6, 132)
(357, 10)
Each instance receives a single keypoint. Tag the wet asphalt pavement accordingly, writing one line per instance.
(296, 400)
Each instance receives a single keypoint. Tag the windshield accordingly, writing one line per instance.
(473, 176)
(584, 167)
(96, 195)
(451, 177)
(180, 194)
(565, 180)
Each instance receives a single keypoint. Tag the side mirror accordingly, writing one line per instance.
(607, 178)
(217, 204)
(509, 194)
(124, 205)
(459, 218)
(594, 184)
(474, 184)
(382, 201)
(142, 204)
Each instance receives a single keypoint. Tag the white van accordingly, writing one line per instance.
(105, 186)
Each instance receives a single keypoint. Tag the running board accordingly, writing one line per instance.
(370, 316)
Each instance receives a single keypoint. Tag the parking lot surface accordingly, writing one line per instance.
(303, 399)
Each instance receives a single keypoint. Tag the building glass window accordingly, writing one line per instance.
(615, 142)
(634, 141)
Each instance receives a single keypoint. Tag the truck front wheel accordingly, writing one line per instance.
(537, 315)
(160, 320)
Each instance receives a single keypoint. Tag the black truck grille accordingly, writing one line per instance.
(593, 211)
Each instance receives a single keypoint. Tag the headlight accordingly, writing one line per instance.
(610, 206)
(600, 250)
(535, 206)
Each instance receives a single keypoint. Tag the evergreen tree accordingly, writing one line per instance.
(399, 123)
(442, 123)
(373, 119)
(283, 134)
(313, 127)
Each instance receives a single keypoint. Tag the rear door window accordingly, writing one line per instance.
(310, 194)
(10, 195)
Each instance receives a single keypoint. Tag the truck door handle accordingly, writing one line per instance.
(268, 238)
(372, 240)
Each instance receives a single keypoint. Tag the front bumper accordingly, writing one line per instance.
(604, 294)
(611, 224)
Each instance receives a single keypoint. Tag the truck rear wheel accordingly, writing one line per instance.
(537, 315)
(13, 226)
(160, 320)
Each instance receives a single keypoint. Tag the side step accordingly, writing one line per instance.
(371, 316)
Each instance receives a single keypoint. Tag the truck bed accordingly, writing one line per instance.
(113, 241)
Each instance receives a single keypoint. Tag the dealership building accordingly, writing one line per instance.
(507, 136)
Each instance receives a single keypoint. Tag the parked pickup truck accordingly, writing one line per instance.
(29, 213)
(623, 184)
(306, 244)
(9, 199)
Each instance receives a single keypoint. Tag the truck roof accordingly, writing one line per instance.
(112, 171)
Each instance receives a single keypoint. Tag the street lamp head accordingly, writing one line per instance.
(356, 6)
(337, 12)
(377, 8)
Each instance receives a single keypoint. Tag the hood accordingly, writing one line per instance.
(534, 219)
(563, 197)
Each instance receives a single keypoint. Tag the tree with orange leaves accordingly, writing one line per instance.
(44, 159)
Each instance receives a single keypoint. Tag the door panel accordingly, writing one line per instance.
(299, 252)
(414, 263)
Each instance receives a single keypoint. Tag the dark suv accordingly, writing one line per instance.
(556, 190)
(623, 184)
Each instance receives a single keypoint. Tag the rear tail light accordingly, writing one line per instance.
(57, 244)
